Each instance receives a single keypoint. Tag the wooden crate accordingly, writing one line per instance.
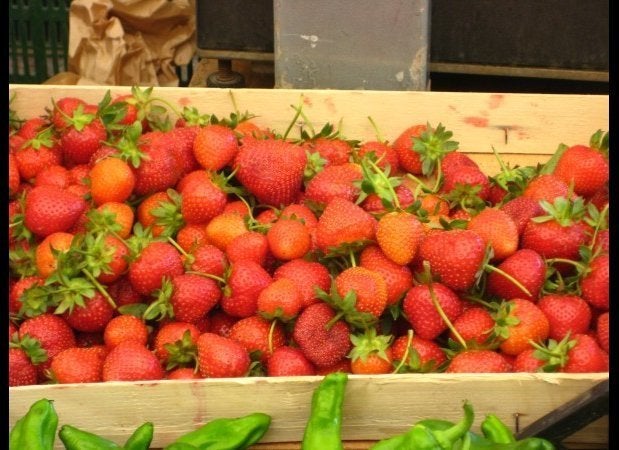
(524, 128)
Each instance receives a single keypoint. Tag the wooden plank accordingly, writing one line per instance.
(375, 407)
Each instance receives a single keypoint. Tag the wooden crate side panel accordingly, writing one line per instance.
(375, 407)
(514, 124)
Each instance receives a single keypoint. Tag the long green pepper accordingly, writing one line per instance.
(323, 430)
(35, 430)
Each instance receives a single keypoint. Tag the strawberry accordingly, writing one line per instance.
(602, 331)
(114, 257)
(221, 357)
(37, 153)
(466, 186)
(371, 353)
(522, 209)
(419, 309)
(193, 296)
(190, 237)
(343, 222)
(111, 180)
(22, 371)
(157, 260)
(224, 227)
(92, 316)
(215, 147)
(455, 256)
(525, 266)
(14, 177)
(333, 150)
(182, 139)
(219, 322)
(498, 230)
(399, 278)
(399, 234)
(386, 155)
(300, 212)
(478, 361)
(251, 245)
(82, 139)
(125, 327)
(546, 187)
(244, 284)
(289, 361)
(289, 239)
(322, 342)
(210, 260)
(258, 336)
(308, 276)
(566, 314)
(409, 160)
(417, 355)
(78, 365)
(518, 324)
(55, 175)
(585, 356)
(158, 169)
(281, 299)
(527, 361)
(596, 281)
(183, 373)
(369, 289)
(63, 111)
(585, 167)
(334, 181)
(271, 170)
(474, 325)
(46, 259)
(18, 288)
(175, 344)
(131, 361)
(49, 209)
(123, 293)
(343, 365)
(201, 198)
(161, 212)
(31, 127)
(52, 332)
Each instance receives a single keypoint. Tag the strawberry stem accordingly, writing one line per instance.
(379, 136)
(100, 288)
(271, 331)
(293, 121)
(387, 184)
(206, 275)
(515, 282)
(409, 343)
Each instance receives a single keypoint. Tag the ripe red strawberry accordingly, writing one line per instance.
(524, 323)
(18, 288)
(566, 314)
(81, 140)
(215, 147)
(498, 230)
(53, 333)
(64, 107)
(333, 150)
(251, 245)
(244, 284)
(521, 209)
(454, 160)
(221, 357)
(343, 222)
(586, 167)
(527, 267)
(223, 228)
(399, 278)
(123, 293)
(334, 181)
(22, 372)
(55, 175)
(175, 344)
(455, 256)
(93, 316)
(209, 259)
(78, 365)
(602, 331)
(417, 354)
(385, 154)
(475, 324)
(271, 170)
(322, 342)
(31, 127)
(159, 170)
(201, 199)
(219, 322)
(478, 361)
(527, 361)
(281, 299)
(182, 149)
(464, 181)
(157, 260)
(183, 373)
(289, 361)
(409, 160)
(50, 209)
(193, 296)
(300, 212)
(374, 204)
(125, 327)
(585, 356)
(399, 234)
(14, 177)
(260, 337)
(131, 361)
(369, 287)
(595, 284)
(307, 276)
(289, 239)
(423, 316)
(546, 187)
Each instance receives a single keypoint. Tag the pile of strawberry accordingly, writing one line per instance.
(148, 242)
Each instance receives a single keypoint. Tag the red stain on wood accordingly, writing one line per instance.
(184, 101)
(495, 101)
(480, 122)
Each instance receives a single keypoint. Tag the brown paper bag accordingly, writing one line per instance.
(130, 42)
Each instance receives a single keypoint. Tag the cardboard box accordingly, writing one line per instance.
(524, 128)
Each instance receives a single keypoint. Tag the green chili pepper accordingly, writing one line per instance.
(74, 438)
(35, 430)
(226, 434)
(496, 431)
(323, 429)
(141, 437)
